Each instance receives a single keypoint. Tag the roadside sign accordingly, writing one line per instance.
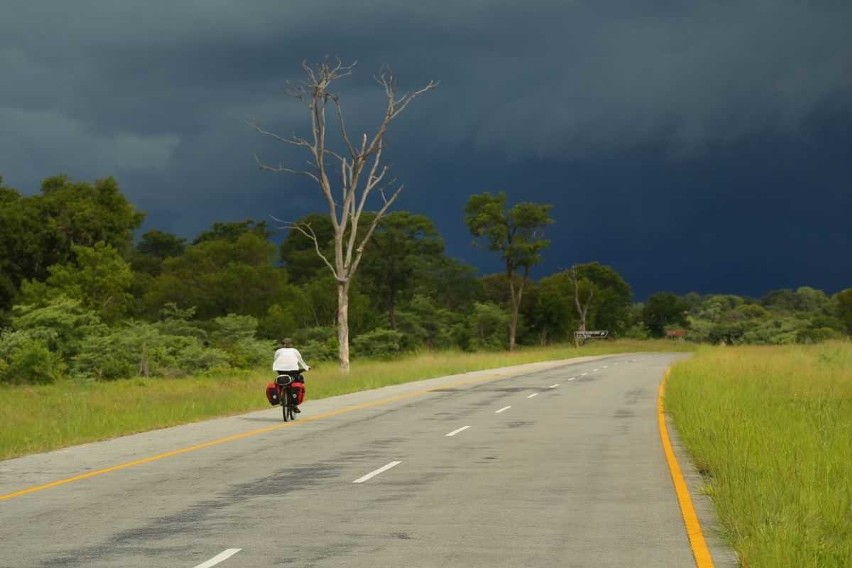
(598, 334)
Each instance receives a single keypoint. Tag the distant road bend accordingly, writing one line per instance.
(554, 464)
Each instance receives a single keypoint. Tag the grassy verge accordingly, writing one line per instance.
(771, 430)
(40, 418)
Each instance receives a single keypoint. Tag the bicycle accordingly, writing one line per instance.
(287, 394)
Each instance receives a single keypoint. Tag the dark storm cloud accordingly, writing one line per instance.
(630, 116)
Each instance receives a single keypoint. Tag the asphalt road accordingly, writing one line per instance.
(552, 464)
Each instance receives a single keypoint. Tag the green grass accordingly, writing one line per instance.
(40, 418)
(771, 429)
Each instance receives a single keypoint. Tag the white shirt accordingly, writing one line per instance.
(288, 359)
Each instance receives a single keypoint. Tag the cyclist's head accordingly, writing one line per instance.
(286, 342)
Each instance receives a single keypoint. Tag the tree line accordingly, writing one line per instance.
(81, 295)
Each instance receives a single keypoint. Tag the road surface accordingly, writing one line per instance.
(553, 464)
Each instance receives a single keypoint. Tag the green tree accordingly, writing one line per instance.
(153, 248)
(515, 233)
(232, 231)
(803, 299)
(663, 309)
(811, 300)
(402, 248)
(13, 234)
(100, 278)
(844, 309)
(83, 214)
(220, 277)
(453, 284)
(292, 312)
(603, 293)
(612, 296)
(424, 322)
(554, 315)
(40, 231)
(299, 248)
(494, 289)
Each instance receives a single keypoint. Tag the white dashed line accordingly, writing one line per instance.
(594, 370)
(373, 474)
(605, 367)
(532, 395)
(583, 374)
(572, 378)
(221, 557)
(454, 432)
(553, 386)
(502, 409)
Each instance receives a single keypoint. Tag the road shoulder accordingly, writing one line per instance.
(722, 553)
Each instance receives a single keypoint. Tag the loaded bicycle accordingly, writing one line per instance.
(291, 392)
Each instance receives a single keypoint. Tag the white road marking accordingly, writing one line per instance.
(373, 474)
(572, 378)
(532, 395)
(503, 409)
(221, 557)
(594, 370)
(554, 386)
(605, 367)
(454, 432)
(583, 374)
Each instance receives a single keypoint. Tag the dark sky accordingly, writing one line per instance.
(694, 146)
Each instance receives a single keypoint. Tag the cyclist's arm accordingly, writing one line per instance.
(302, 364)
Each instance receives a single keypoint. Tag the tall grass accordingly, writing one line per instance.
(771, 429)
(40, 418)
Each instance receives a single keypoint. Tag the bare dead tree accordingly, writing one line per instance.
(347, 175)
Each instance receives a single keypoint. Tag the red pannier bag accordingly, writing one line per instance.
(298, 391)
(272, 394)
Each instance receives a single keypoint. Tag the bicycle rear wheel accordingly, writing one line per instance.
(291, 403)
(285, 404)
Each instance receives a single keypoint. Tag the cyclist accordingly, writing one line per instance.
(288, 361)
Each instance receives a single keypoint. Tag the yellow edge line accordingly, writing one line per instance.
(690, 518)
(235, 437)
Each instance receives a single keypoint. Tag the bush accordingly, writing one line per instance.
(424, 323)
(774, 331)
(62, 323)
(249, 353)
(183, 356)
(139, 349)
(177, 321)
(379, 343)
(317, 344)
(817, 335)
(109, 357)
(730, 333)
(489, 326)
(280, 320)
(232, 329)
(30, 362)
(235, 336)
